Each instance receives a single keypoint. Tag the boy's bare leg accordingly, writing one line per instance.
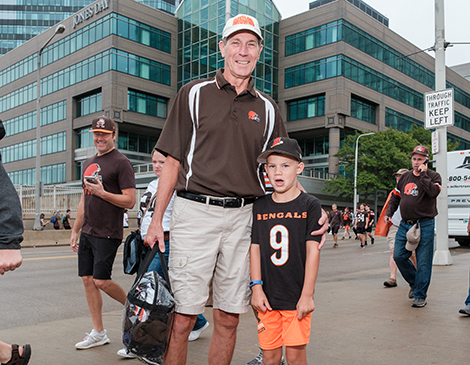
(272, 357)
(296, 355)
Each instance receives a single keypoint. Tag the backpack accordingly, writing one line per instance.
(53, 220)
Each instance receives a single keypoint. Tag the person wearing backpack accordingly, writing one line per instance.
(66, 220)
(55, 220)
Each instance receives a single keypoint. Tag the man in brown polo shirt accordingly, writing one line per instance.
(215, 131)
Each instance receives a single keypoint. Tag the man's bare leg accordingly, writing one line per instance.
(223, 338)
(178, 341)
(95, 302)
(113, 289)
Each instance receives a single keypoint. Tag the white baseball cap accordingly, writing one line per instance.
(242, 22)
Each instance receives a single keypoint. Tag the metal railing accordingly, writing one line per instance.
(58, 198)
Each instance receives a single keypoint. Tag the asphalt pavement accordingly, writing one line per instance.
(356, 321)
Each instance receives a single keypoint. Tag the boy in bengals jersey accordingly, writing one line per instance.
(284, 256)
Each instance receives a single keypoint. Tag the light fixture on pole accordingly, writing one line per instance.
(37, 224)
(355, 169)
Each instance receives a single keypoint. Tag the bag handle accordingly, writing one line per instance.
(148, 260)
(146, 209)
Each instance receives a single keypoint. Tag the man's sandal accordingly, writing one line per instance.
(16, 359)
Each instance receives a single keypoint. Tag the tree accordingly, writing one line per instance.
(379, 156)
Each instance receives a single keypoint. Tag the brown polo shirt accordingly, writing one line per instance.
(217, 134)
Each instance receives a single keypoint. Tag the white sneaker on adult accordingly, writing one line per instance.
(194, 335)
(93, 339)
(128, 355)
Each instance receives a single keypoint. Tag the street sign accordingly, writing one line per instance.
(439, 108)
(435, 142)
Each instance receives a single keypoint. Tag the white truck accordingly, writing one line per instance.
(458, 193)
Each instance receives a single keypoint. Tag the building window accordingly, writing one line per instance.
(53, 174)
(306, 108)
(20, 124)
(136, 142)
(149, 104)
(19, 151)
(18, 97)
(88, 103)
(400, 121)
(54, 112)
(342, 30)
(363, 110)
(84, 138)
(23, 177)
(111, 59)
(53, 143)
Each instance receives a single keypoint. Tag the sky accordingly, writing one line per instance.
(414, 21)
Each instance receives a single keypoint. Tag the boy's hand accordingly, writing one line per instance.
(305, 306)
(259, 300)
(323, 221)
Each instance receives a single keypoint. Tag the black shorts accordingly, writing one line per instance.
(369, 229)
(361, 230)
(96, 256)
(334, 230)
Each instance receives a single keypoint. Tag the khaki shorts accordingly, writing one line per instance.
(392, 232)
(210, 244)
(282, 328)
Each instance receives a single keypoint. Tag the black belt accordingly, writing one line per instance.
(220, 202)
(411, 223)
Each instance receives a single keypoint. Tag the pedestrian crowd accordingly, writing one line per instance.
(229, 239)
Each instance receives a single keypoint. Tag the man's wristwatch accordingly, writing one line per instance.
(254, 282)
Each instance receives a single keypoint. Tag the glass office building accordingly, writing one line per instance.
(21, 20)
(333, 70)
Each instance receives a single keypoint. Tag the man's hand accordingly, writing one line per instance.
(155, 234)
(74, 241)
(323, 221)
(10, 260)
(96, 189)
(387, 219)
(423, 167)
(305, 306)
(259, 300)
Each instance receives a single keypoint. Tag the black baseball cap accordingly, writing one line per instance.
(282, 146)
(103, 124)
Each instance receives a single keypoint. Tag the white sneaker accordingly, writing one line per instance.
(158, 361)
(124, 353)
(93, 339)
(194, 335)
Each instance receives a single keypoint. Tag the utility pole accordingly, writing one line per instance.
(442, 254)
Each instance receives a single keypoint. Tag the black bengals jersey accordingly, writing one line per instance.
(281, 230)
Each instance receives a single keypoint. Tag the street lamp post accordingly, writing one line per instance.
(355, 169)
(37, 224)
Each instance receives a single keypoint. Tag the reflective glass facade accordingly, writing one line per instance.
(310, 107)
(145, 103)
(111, 59)
(21, 151)
(342, 30)
(200, 25)
(136, 142)
(84, 138)
(54, 113)
(21, 20)
(51, 174)
(20, 124)
(344, 66)
(88, 103)
(363, 110)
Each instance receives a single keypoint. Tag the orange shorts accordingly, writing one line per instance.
(282, 328)
(347, 227)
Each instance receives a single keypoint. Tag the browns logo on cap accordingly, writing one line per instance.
(282, 146)
(103, 124)
(421, 150)
(242, 22)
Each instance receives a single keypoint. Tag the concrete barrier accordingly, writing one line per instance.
(53, 237)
